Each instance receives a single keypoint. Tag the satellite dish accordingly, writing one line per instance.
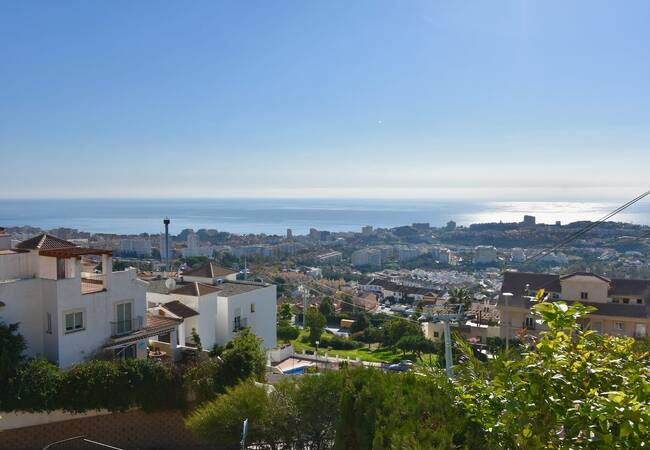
(170, 283)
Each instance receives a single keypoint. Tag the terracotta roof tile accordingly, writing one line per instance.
(179, 309)
(44, 242)
(210, 270)
(195, 289)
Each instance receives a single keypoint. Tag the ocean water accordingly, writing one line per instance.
(276, 215)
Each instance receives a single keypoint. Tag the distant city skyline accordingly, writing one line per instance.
(515, 100)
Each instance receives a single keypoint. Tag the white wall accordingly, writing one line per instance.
(99, 311)
(22, 301)
(262, 322)
(17, 265)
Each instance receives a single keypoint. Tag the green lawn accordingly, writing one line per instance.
(370, 353)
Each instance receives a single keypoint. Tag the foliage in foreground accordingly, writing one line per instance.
(573, 388)
(302, 411)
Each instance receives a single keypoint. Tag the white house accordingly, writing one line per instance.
(211, 301)
(67, 315)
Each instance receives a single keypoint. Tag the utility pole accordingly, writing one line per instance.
(305, 296)
(446, 319)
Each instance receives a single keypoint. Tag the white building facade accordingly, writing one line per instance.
(220, 306)
(67, 315)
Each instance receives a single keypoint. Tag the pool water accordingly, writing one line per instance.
(295, 371)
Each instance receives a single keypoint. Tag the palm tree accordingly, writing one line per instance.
(460, 296)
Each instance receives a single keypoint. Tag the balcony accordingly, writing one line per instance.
(92, 282)
(122, 327)
(239, 323)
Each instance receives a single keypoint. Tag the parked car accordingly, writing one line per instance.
(402, 366)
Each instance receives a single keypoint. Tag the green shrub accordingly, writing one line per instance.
(202, 379)
(34, 388)
(340, 343)
(287, 333)
(93, 385)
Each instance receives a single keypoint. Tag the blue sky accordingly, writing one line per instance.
(511, 100)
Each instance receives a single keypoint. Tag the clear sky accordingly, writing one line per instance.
(500, 100)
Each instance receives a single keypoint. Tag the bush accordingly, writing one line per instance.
(369, 335)
(340, 343)
(34, 388)
(12, 346)
(385, 410)
(93, 385)
(114, 385)
(288, 333)
(202, 379)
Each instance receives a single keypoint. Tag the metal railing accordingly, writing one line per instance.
(122, 327)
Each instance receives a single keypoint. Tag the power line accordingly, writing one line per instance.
(584, 230)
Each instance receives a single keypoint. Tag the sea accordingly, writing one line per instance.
(275, 216)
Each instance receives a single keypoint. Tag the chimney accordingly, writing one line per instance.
(5, 240)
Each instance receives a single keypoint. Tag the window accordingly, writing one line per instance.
(74, 321)
(639, 301)
(529, 323)
(597, 326)
(616, 300)
(640, 330)
(124, 317)
(584, 295)
(48, 323)
(556, 295)
(436, 334)
(252, 307)
(626, 301)
(619, 326)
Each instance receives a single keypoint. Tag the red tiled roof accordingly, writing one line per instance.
(180, 309)
(195, 289)
(210, 270)
(44, 242)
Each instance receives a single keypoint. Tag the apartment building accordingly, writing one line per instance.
(366, 257)
(621, 304)
(210, 300)
(67, 312)
(485, 254)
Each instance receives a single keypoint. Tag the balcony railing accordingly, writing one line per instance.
(122, 327)
(92, 282)
(239, 323)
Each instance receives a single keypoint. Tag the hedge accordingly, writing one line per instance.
(113, 385)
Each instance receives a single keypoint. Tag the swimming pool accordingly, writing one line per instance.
(294, 371)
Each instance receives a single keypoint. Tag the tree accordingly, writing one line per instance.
(220, 421)
(287, 333)
(197, 340)
(361, 322)
(326, 307)
(12, 346)
(285, 314)
(304, 410)
(34, 388)
(316, 322)
(398, 411)
(243, 358)
(395, 329)
(460, 296)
